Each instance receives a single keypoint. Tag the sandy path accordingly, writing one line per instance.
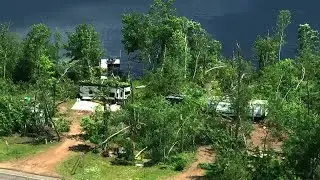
(204, 155)
(258, 137)
(45, 163)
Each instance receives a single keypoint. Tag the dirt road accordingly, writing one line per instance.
(45, 163)
(204, 155)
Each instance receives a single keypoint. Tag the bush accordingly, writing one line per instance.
(94, 127)
(230, 165)
(180, 161)
(13, 115)
(63, 125)
(180, 164)
(66, 89)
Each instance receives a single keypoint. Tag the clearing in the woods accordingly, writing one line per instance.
(45, 163)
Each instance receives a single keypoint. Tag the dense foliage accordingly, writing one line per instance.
(181, 59)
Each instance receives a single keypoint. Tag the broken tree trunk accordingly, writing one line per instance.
(105, 141)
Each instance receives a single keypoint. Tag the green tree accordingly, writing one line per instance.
(240, 94)
(35, 45)
(85, 45)
(308, 40)
(148, 33)
(10, 50)
(265, 51)
(179, 47)
(56, 47)
(302, 149)
(283, 20)
(268, 49)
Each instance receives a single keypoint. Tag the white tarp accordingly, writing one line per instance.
(86, 106)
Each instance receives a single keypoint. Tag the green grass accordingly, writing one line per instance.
(95, 167)
(18, 148)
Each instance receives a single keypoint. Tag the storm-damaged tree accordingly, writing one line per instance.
(150, 37)
(38, 67)
(84, 45)
(267, 49)
(147, 34)
(240, 94)
(10, 51)
(308, 49)
(284, 19)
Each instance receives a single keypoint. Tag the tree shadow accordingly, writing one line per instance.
(198, 177)
(37, 141)
(78, 137)
(81, 148)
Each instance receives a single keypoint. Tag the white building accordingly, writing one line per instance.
(112, 66)
(108, 63)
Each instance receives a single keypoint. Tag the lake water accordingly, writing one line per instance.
(227, 20)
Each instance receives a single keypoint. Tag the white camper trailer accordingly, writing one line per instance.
(256, 108)
(120, 93)
(90, 91)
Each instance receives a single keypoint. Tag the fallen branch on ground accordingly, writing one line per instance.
(140, 152)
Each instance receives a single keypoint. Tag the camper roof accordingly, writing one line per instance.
(104, 82)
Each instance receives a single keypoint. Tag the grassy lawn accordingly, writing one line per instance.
(19, 147)
(95, 167)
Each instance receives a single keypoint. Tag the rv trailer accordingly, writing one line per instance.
(256, 108)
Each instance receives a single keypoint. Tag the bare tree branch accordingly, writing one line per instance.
(214, 68)
(105, 141)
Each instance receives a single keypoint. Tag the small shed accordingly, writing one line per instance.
(112, 65)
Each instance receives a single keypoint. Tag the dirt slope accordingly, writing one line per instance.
(204, 155)
(260, 135)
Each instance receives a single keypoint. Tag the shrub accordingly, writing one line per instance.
(180, 161)
(63, 125)
(94, 128)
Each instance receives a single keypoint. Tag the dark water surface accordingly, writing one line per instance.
(227, 20)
